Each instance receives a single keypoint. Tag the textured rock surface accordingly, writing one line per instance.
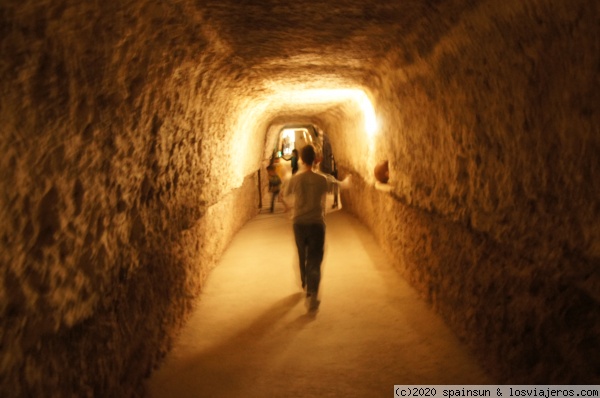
(132, 132)
(118, 189)
(494, 138)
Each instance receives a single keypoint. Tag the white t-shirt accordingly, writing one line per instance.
(310, 191)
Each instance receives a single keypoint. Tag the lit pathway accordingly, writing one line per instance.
(251, 336)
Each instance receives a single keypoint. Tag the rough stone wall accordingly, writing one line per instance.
(115, 198)
(492, 137)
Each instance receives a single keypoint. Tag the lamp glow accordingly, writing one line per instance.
(317, 96)
(368, 112)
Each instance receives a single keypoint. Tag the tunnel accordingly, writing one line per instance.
(134, 138)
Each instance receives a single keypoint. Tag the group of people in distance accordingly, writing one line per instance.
(308, 187)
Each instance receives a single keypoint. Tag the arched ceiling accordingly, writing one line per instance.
(285, 47)
(315, 34)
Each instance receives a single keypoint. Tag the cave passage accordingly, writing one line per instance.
(134, 137)
(250, 333)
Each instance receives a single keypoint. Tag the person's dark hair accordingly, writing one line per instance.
(308, 155)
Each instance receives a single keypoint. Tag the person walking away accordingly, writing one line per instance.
(274, 184)
(327, 165)
(284, 176)
(294, 160)
(309, 189)
(334, 173)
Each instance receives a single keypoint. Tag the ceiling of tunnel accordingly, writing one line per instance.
(284, 48)
(347, 33)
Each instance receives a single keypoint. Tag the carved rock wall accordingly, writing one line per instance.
(492, 209)
(117, 191)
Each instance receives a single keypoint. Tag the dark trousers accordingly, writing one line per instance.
(274, 196)
(310, 241)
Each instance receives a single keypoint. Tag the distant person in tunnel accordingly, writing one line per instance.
(274, 184)
(277, 180)
(327, 165)
(309, 190)
(334, 173)
(294, 160)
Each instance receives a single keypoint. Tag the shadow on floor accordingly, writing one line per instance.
(222, 370)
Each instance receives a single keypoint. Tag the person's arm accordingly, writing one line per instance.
(344, 184)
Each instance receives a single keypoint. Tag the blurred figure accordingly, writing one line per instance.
(274, 184)
(327, 165)
(309, 188)
(284, 176)
(294, 160)
(334, 173)
(277, 180)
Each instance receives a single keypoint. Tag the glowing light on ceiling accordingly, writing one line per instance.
(288, 138)
(369, 113)
(321, 96)
(285, 96)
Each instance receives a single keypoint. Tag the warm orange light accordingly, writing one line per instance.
(317, 96)
(290, 135)
(280, 96)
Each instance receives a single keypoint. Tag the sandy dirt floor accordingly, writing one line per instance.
(251, 334)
